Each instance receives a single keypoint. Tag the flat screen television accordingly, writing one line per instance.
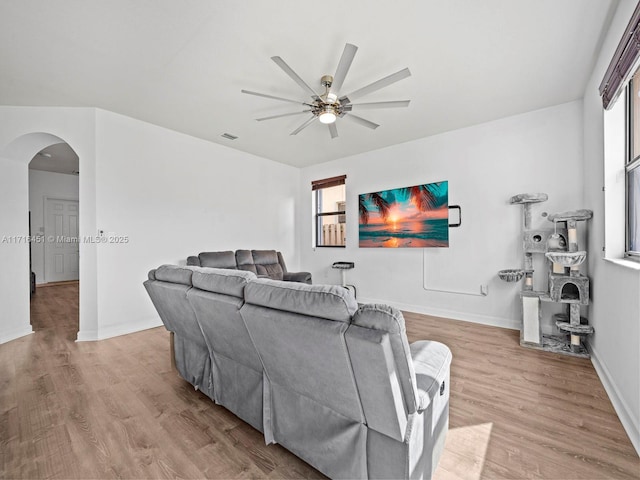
(415, 217)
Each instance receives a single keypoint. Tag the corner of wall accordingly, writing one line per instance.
(625, 414)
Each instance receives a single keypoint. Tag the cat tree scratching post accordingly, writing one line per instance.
(566, 285)
(530, 332)
(571, 288)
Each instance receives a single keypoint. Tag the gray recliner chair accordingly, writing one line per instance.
(335, 383)
(344, 389)
(263, 263)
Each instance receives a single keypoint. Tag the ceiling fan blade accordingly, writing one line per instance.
(303, 126)
(394, 104)
(343, 66)
(333, 130)
(362, 121)
(249, 92)
(281, 115)
(289, 71)
(377, 85)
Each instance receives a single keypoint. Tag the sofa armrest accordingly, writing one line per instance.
(193, 261)
(431, 362)
(302, 277)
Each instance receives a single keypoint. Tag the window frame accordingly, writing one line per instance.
(631, 162)
(317, 186)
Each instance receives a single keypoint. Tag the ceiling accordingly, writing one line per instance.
(182, 64)
(58, 158)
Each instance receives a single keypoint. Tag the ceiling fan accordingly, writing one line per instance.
(328, 106)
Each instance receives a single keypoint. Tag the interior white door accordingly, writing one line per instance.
(61, 252)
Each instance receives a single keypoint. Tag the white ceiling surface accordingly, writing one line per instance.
(58, 158)
(182, 64)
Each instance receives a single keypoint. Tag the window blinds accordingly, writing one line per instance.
(328, 182)
(623, 61)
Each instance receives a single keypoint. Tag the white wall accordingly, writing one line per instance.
(14, 256)
(485, 165)
(173, 196)
(46, 184)
(615, 286)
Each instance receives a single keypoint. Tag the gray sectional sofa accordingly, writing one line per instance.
(263, 263)
(336, 384)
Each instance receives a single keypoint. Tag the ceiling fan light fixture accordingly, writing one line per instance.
(328, 115)
(331, 104)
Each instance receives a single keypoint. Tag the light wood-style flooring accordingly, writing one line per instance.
(116, 409)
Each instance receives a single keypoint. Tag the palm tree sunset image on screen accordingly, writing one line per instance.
(415, 216)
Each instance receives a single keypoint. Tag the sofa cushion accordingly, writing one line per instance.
(303, 277)
(217, 280)
(218, 259)
(332, 302)
(272, 270)
(264, 257)
(244, 261)
(174, 274)
(266, 262)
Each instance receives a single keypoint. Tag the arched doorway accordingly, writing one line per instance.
(14, 223)
(54, 248)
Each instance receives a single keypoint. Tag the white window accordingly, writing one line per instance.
(621, 79)
(330, 211)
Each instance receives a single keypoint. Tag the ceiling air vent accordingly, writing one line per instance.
(228, 136)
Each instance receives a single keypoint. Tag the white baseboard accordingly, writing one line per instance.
(87, 336)
(446, 313)
(629, 422)
(117, 330)
(14, 334)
